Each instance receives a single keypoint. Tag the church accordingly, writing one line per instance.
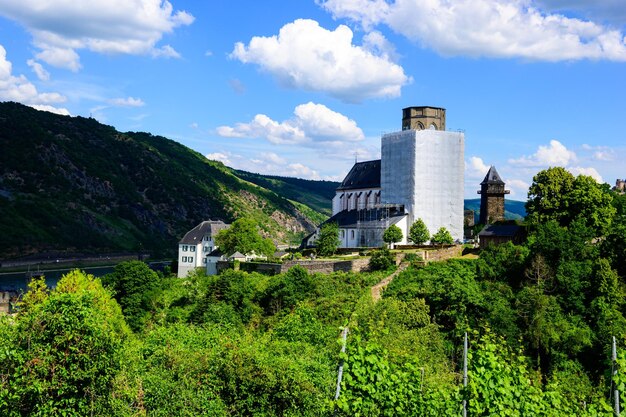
(420, 175)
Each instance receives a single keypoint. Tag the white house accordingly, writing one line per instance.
(197, 243)
(420, 175)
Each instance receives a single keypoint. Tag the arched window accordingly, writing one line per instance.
(351, 234)
(433, 126)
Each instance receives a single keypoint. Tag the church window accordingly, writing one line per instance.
(352, 234)
(343, 234)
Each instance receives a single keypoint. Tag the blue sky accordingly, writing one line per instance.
(301, 88)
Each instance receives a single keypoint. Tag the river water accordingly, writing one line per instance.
(18, 281)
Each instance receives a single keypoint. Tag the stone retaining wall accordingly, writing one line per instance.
(327, 267)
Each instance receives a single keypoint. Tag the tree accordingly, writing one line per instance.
(442, 237)
(243, 236)
(65, 351)
(381, 260)
(418, 233)
(328, 240)
(546, 195)
(132, 283)
(393, 234)
(556, 194)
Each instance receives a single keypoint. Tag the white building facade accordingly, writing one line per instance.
(197, 243)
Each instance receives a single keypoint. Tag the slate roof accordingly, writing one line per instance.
(348, 219)
(492, 177)
(207, 227)
(362, 175)
(502, 230)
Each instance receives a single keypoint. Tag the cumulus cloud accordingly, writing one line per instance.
(268, 163)
(555, 154)
(19, 89)
(307, 56)
(126, 102)
(311, 123)
(589, 171)
(60, 28)
(492, 28)
(38, 69)
(476, 168)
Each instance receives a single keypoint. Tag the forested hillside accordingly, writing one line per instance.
(540, 319)
(71, 183)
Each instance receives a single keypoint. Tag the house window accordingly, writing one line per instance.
(192, 248)
(184, 259)
(190, 259)
(185, 248)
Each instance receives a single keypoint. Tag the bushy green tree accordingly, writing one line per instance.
(133, 283)
(285, 290)
(418, 233)
(64, 352)
(243, 236)
(393, 234)
(328, 239)
(442, 237)
(381, 260)
(556, 194)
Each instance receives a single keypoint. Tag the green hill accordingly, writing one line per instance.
(74, 184)
(513, 210)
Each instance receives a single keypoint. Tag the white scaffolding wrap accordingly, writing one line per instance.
(424, 171)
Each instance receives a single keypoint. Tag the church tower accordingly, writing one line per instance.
(423, 117)
(492, 197)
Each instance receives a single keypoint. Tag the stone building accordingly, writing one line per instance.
(492, 192)
(620, 186)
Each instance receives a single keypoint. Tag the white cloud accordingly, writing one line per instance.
(556, 154)
(19, 89)
(126, 102)
(589, 171)
(518, 188)
(493, 28)
(305, 55)
(476, 167)
(222, 157)
(38, 69)
(267, 163)
(60, 28)
(311, 123)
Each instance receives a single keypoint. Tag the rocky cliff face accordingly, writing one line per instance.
(75, 183)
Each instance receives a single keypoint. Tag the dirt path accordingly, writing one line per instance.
(377, 289)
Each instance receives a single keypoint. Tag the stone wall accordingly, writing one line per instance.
(443, 253)
(327, 267)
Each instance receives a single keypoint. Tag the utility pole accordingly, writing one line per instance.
(344, 335)
(616, 391)
(465, 373)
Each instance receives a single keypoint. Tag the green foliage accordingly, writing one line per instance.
(132, 283)
(442, 237)
(418, 232)
(393, 234)
(505, 263)
(243, 236)
(62, 353)
(328, 240)
(382, 259)
(284, 291)
(557, 195)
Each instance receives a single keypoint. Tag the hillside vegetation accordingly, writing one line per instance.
(540, 319)
(72, 183)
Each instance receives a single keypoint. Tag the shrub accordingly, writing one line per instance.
(382, 259)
